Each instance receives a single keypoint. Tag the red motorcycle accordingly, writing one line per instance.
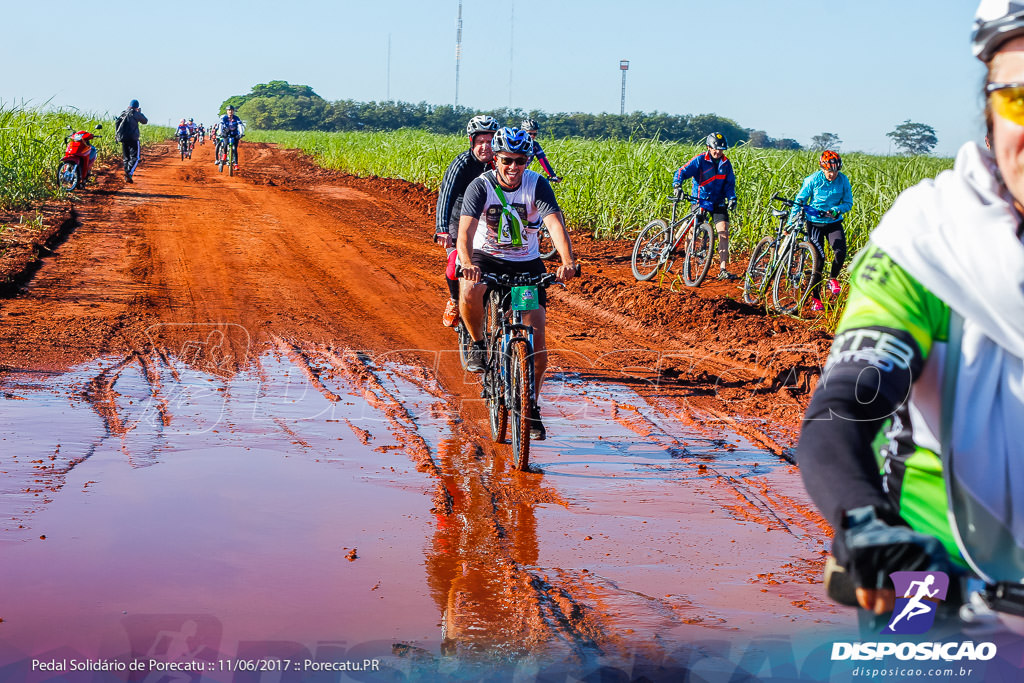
(79, 156)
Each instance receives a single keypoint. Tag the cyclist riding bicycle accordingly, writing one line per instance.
(715, 186)
(463, 170)
(506, 204)
(919, 407)
(231, 129)
(532, 128)
(828, 191)
(182, 131)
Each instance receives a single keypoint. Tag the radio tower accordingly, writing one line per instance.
(458, 52)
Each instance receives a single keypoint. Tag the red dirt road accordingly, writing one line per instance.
(258, 360)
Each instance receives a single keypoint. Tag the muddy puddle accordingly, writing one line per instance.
(322, 503)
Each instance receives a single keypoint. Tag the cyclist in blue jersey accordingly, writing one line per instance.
(182, 131)
(231, 129)
(911, 444)
(828, 191)
(714, 184)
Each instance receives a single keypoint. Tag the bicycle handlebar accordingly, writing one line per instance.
(519, 279)
(680, 196)
(813, 213)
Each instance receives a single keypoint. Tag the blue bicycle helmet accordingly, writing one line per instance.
(513, 141)
(134, 104)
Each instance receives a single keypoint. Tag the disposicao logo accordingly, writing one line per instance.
(914, 614)
(915, 611)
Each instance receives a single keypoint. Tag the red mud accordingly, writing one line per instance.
(290, 259)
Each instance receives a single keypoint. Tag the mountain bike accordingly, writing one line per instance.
(657, 245)
(508, 377)
(227, 154)
(783, 262)
(183, 147)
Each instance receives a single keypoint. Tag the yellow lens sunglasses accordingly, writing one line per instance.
(1007, 100)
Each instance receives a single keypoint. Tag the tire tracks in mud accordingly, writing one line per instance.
(359, 275)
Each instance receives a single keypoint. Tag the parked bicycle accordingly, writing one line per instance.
(508, 378)
(783, 262)
(657, 245)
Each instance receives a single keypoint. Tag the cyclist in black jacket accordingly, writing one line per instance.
(461, 172)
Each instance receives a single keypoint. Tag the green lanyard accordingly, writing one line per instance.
(514, 222)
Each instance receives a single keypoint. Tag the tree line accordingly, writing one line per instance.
(283, 106)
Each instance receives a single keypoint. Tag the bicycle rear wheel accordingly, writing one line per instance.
(547, 249)
(757, 271)
(497, 410)
(649, 248)
(794, 279)
(699, 248)
(519, 399)
(464, 341)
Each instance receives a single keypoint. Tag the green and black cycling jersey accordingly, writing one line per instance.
(870, 435)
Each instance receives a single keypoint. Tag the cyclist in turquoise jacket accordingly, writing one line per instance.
(828, 191)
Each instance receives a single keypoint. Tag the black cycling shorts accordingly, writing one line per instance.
(491, 264)
(719, 214)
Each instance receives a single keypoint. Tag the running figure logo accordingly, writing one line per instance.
(921, 593)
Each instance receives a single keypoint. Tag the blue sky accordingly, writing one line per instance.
(793, 68)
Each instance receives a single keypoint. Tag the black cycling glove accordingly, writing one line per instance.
(873, 547)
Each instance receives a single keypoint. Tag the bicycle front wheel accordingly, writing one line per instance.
(757, 271)
(519, 399)
(793, 279)
(649, 249)
(699, 249)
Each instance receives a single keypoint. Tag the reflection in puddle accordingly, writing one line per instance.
(299, 500)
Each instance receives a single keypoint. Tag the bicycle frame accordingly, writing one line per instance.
(686, 224)
(511, 330)
(783, 245)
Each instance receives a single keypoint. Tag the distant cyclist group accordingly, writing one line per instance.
(226, 133)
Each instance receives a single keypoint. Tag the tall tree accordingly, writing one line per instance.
(913, 138)
(825, 141)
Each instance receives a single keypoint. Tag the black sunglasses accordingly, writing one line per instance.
(509, 161)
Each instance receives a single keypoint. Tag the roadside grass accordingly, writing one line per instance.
(615, 187)
(32, 144)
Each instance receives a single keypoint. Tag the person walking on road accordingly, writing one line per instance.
(126, 131)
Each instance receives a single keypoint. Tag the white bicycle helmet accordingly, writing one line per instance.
(995, 22)
(482, 124)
